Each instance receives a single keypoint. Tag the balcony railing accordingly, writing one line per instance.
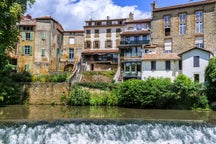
(131, 74)
(125, 42)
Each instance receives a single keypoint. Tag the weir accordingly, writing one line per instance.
(107, 132)
(104, 125)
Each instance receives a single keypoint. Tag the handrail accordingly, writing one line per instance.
(118, 72)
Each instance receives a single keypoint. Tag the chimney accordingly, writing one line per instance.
(153, 5)
(131, 15)
(107, 17)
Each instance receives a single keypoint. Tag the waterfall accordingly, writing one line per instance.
(107, 132)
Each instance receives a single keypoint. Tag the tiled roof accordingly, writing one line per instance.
(106, 20)
(196, 48)
(161, 56)
(138, 21)
(89, 51)
(137, 32)
(74, 31)
(184, 5)
(27, 23)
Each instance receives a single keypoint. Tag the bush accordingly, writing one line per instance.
(104, 99)
(78, 96)
(98, 85)
(62, 77)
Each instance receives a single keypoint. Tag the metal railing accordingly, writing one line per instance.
(126, 42)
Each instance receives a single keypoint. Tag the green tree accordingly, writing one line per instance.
(10, 15)
(210, 76)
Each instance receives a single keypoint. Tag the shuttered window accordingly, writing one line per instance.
(196, 62)
(168, 45)
(42, 52)
(27, 50)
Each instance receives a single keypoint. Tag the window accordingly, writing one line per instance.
(27, 36)
(96, 31)
(196, 61)
(139, 52)
(28, 28)
(136, 38)
(88, 31)
(42, 52)
(118, 30)
(71, 55)
(153, 65)
(108, 30)
(87, 44)
(167, 25)
(167, 65)
(199, 22)
(133, 51)
(96, 44)
(27, 50)
(196, 77)
(180, 65)
(168, 45)
(128, 52)
(43, 36)
(108, 44)
(182, 24)
(71, 40)
(199, 42)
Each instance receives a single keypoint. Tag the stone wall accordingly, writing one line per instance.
(45, 93)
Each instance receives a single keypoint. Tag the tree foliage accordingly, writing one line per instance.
(10, 15)
(210, 76)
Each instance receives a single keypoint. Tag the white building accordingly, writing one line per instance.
(160, 65)
(194, 63)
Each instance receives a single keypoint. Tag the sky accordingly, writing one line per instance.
(72, 14)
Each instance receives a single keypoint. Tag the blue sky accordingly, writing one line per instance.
(72, 14)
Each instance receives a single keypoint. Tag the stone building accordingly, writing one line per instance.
(102, 38)
(181, 27)
(40, 45)
(73, 43)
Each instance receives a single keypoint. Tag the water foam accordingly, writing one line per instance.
(108, 133)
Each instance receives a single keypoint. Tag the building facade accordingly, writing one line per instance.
(134, 38)
(73, 43)
(102, 38)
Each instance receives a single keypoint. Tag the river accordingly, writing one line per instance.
(43, 124)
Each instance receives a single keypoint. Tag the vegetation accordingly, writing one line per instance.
(210, 76)
(61, 77)
(11, 12)
(158, 93)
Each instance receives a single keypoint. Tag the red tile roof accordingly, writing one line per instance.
(89, 51)
(161, 56)
(184, 5)
(137, 32)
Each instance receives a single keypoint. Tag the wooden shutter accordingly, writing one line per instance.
(43, 36)
(27, 67)
(23, 50)
(31, 36)
(43, 52)
(30, 50)
(23, 36)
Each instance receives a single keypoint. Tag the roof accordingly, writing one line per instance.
(202, 49)
(74, 31)
(138, 21)
(184, 5)
(89, 51)
(106, 20)
(59, 26)
(161, 56)
(137, 32)
(27, 23)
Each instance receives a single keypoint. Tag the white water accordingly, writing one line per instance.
(108, 133)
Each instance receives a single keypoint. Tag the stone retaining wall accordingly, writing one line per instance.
(45, 93)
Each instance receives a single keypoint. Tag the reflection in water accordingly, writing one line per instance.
(47, 112)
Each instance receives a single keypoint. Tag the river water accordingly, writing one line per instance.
(104, 125)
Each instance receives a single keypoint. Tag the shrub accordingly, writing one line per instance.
(78, 96)
(98, 85)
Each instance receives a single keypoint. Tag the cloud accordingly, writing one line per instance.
(72, 14)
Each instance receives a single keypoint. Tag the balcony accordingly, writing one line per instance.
(125, 42)
(128, 74)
